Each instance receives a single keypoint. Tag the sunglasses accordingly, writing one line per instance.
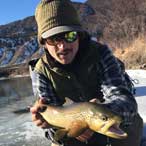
(68, 37)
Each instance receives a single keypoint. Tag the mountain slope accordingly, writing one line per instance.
(117, 23)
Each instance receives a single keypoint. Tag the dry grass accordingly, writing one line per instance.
(134, 56)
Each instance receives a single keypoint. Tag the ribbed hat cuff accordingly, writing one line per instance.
(60, 29)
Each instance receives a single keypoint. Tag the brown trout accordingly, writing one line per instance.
(73, 119)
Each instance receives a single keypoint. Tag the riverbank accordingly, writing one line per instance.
(14, 71)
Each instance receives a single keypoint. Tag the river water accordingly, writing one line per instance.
(18, 129)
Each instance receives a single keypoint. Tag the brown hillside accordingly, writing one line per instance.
(119, 23)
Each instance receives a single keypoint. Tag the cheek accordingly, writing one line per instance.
(76, 50)
(52, 53)
(50, 49)
(75, 46)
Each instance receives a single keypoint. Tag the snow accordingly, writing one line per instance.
(1, 52)
(8, 56)
(17, 47)
(139, 76)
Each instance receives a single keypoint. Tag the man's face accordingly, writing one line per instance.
(62, 51)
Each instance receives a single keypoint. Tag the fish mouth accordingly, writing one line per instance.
(116, 132)
(113, 130)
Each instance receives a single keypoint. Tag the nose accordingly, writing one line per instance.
(62, 45)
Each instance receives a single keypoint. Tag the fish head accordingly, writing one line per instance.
(107, 123)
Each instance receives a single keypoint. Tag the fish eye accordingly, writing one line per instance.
(104, 118)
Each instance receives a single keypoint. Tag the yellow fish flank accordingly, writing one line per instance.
(73, 119)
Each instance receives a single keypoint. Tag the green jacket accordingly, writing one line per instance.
(80, 83)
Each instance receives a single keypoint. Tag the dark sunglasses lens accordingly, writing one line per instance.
(70, 36)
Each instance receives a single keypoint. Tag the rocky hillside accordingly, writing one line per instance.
(117, 23)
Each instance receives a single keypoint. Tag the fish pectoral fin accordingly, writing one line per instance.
(77, 128)
(59, 134)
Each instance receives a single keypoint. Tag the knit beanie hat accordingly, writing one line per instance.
(56, 16)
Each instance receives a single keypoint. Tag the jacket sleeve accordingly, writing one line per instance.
(42, 88)
(115, 88)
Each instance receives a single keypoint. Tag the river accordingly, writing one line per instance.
(18, 129)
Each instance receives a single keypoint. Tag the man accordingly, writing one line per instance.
(76, 67)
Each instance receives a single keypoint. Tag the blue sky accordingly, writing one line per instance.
(12, 10)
